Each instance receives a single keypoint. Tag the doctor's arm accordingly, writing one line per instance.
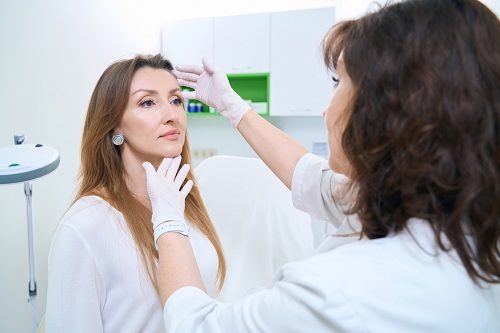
(177, 263)
(278, 150)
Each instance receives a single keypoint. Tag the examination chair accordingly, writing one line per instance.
(258, 226)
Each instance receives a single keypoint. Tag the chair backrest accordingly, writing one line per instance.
(258, 226)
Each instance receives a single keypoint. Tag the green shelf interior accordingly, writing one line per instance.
(251, 86)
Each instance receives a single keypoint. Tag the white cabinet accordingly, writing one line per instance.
(285, 44)
(241, 43)
(300, 84)
(237, 44)
(186, 41)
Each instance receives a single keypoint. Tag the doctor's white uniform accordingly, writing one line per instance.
(400, 283)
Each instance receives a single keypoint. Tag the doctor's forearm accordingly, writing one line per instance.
(177, 265)
(279, 151)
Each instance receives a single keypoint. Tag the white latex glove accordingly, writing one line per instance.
(164, 189)
(212, 88)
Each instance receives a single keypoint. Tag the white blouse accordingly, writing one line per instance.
(97, 281)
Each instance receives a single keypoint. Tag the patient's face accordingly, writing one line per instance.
(154, 121)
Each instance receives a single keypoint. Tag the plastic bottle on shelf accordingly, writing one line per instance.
(186, 101)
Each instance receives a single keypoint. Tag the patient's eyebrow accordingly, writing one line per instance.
(154, 92)
(149, 91)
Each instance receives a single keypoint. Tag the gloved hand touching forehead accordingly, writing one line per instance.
(212, 87)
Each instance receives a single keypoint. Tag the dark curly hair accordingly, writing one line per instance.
(423, 129)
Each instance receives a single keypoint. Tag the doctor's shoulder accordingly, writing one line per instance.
(387, 284)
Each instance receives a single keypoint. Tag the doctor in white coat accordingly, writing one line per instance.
(414, 136)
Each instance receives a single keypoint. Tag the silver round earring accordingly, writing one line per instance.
(117, 139)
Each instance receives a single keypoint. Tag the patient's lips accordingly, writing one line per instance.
(171, 135)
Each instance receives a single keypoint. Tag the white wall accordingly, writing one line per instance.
(52, 55)
(494, 5)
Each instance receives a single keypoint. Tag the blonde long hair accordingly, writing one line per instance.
(102, 172)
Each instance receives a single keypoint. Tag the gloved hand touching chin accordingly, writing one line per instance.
(167, 197)
(212, 88)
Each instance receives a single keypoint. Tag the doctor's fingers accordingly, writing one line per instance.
(189, 94)
(181, 175)
(187, 188)
(185, 83)
(164, 166)
(174, 167)
(189, 77)
(209, 67)
(190, 68)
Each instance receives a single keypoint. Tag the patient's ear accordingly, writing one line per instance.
(117, 129)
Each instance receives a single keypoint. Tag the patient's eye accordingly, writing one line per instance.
(177, 101)
(148, 103)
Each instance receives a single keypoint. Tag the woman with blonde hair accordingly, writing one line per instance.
(103, 262)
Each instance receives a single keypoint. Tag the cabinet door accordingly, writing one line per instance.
(241, 43)
(300, 82)
(186, 41)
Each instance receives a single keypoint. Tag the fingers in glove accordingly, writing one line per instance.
(164, 166)
(190, 68)
(174, 166)
(150, 176)
(190, 78)
(181, 175)
(185, 83)
(189, 94)
(149, 168)
(187, 188)
(209, 67)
